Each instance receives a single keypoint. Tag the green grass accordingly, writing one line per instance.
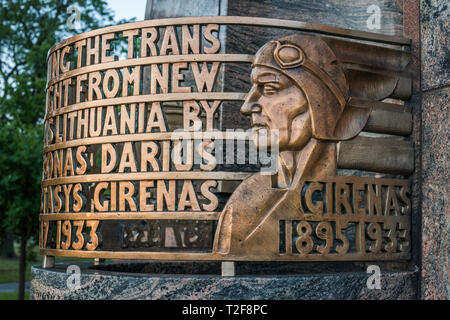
(9, 271)
(13, 296)
(9, 268)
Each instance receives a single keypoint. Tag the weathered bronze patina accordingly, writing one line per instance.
(113, 187)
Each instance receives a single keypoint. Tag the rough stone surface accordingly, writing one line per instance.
(435, 26)
(352, 14)
(101, 285)
(433, 123)
(159, 9)
(435, 193)
(411, 30)
(416, 178)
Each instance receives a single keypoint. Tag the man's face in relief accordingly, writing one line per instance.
(276, 103)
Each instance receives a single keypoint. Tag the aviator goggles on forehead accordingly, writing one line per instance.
(289, 56)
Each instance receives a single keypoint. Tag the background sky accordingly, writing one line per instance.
(128, 8)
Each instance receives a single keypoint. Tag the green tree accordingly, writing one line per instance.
(28, 29)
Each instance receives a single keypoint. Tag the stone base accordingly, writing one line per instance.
(202, 280)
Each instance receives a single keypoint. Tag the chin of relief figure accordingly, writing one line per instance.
(266, 143)
(300, 92)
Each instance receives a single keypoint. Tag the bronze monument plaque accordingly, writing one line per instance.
(136, 165)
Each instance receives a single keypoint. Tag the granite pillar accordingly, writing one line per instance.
(435, 80)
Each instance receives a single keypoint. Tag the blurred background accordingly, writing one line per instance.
(28, 29)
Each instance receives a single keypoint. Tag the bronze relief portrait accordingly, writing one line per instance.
(300, 90)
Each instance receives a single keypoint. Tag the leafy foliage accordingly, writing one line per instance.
(28, 29)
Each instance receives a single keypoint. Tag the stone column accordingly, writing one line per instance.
(435, 76)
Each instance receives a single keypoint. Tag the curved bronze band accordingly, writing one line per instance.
(168, 175)
(237, 58)
(247, 21)
(130, 255)
(148, 136)
(139, 215)
(238, 96)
